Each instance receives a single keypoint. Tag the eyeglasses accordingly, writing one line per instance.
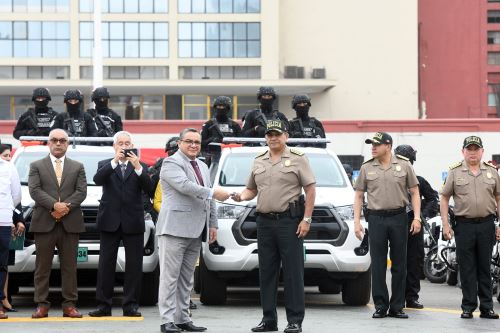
(56, 140)
(191, 142)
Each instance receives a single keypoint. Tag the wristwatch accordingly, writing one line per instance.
(418, 219)
(307, 219)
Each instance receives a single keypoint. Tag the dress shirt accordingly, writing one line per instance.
(10, 192)
(114, 165)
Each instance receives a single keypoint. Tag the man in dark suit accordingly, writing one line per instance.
(58, 186)
(121, 218)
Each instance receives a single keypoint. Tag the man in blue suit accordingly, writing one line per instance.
(121, 218)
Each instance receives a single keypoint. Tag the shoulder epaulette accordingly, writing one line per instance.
(371, 159)
(489, 164)
(455, 165)
(402, 157)
(261, 154)
(296, 151)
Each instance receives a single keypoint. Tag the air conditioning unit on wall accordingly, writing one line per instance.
(318, 73)
(294, 72)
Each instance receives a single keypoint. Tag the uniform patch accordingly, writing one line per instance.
(489, 175)
(287, 163)
(371, 159)
(455, 165)
(402, 157)
(296, 152)
(261, 154)
(398, 167)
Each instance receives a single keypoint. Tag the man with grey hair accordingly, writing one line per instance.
(187, 218)
(121, 219)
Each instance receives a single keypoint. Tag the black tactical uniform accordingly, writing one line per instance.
(255, 121)
(107, 121)
(36, 121)
(221, 126)
(304, 126)
(75, 122)
(415, 247)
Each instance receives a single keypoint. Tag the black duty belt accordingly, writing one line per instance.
(463, 219)
(274, 216)
(386, 212)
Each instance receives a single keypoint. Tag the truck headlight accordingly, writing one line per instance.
(225, 211)
(345, 212)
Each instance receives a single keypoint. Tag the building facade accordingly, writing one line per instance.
(167, 59)
(459, 58)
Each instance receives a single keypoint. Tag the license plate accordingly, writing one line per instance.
(82, 254)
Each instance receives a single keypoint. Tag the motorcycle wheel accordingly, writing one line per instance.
(434, 270)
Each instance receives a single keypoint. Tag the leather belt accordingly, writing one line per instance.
(463, 219)
(387, 212)
(274, 216)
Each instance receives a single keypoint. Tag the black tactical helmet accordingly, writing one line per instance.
(171, 147)
(73, 94)
(300, 99)
(266, 91)
(41, 92)
(406, 151)
(99, 93)
(224, 101)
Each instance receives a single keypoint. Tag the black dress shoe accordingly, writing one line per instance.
(190, 327)
(466, 314)
(379, 313)
(489, 314)
(6, 309)
(414, 304)
(100, 313)
(265, 327)
(131, 313)
(398, 314)
(293, 328)
(169, 328)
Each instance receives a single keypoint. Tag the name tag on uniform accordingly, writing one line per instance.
(488, 174)
(287, 163)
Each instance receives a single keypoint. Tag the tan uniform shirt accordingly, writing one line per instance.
(279, 183)
(386, 189)
(474, 196)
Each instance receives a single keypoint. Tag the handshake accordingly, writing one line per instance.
(222, 195)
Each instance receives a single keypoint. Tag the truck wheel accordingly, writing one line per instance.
(212, 288)
(150, 286)
(357, 291)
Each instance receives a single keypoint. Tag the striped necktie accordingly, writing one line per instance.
(59, 171)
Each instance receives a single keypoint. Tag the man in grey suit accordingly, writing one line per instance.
(58, 186)
(187, 217)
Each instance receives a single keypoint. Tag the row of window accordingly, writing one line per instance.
(34, 6)
(218, 6)
(146, 107)
(132, 72)
(131, 6)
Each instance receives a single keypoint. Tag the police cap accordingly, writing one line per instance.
(276, 126)
(473, 140)
(380, 138)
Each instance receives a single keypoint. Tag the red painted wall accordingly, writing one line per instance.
(453, 58)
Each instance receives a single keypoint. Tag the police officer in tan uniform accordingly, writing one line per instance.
(387, 178)
(475, 187)
(278, 176)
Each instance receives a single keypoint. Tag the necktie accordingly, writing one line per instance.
(197, 172)
(123, 167)
(58, 171)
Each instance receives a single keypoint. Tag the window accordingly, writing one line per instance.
(126, 6)
(35, 6)
(219, 40)
(219, 72)
(493, 37)
(34, 39)
(127, 39)
(34, 72)
(218, 6)
(127, 72)
(494, 16)
(493, 58)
